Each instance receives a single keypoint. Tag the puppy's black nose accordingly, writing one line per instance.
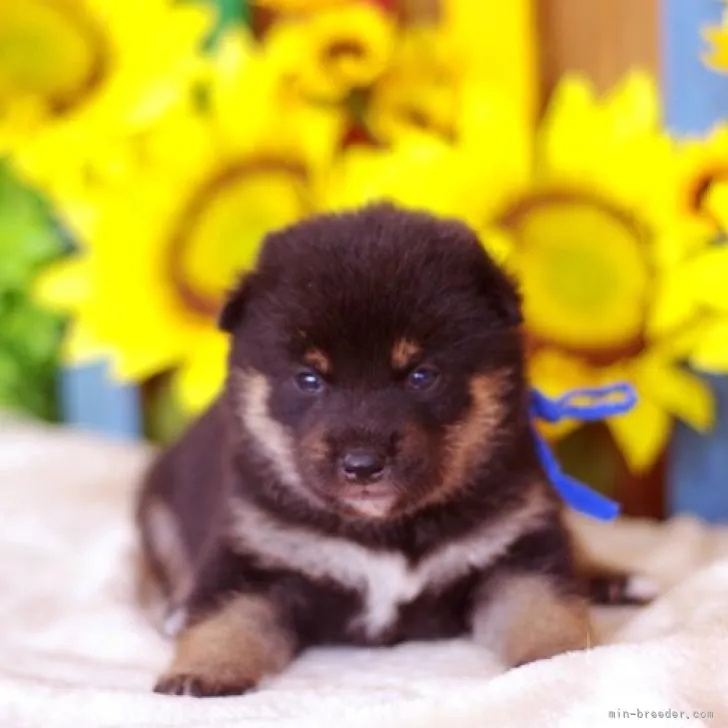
(362, 465)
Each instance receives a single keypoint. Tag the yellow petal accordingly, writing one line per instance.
(633, 105)
(678, 345)
(641, 434)
(65, 285)
(708, 278)
(199, 380)
(497, 42)
(677, 391)
(554, 373)
(717, 56)
(566, 140)
(672, 305)
(499, 244)
(81, 346)
(710, 352)
(405, 174)
(716, 202)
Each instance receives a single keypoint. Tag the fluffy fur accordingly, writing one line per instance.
(368, 474)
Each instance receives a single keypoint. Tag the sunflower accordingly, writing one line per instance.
(421, 89)
(334, 51)
(587, 214)
(695, 291)
(76, 73)
(446, 71)
(165, 235)
(703, 164)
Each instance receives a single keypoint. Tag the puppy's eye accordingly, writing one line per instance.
(422, 378)
(309, 382)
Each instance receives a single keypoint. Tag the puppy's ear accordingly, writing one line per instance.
(508, 302)
(503, 296)
(233, 309)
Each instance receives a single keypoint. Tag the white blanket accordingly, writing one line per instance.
(76, 653)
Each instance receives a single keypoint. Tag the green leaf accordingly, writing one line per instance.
(229, 12)
(29, 237)
(30, 337)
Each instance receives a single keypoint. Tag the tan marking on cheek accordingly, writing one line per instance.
(231, 650)
(316, 359)
(252, 392)
(403, 353)
(417, 446)
(527, 619)
(469, 442)
(314, 446)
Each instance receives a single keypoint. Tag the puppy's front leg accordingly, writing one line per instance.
(533, 606)
(228, 650)
(524, 616)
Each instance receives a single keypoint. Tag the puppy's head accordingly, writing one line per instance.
(376, 360)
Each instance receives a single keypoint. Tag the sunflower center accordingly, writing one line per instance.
(345, 60)
(583, 272)
(343, 49)
(221, 230)
(48, 50)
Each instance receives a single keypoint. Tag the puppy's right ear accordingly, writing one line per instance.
(233, 309)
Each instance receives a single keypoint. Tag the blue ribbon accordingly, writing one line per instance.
(587, 405)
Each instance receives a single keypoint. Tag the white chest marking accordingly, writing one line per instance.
(383, 578)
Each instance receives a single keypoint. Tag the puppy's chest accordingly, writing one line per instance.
(384, 582)
(382, 586)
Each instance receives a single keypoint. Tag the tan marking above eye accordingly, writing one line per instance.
(316, 359)
(404, 352)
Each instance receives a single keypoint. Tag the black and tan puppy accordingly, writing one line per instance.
(368, 475)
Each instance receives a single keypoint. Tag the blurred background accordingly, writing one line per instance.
(147, 146)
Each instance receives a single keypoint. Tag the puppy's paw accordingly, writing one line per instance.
(201, 686)
(616, 588)
(229, 651)
(524, 617)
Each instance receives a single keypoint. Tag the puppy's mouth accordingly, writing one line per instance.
(371, 500)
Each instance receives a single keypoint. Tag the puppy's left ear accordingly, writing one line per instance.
(502, 293)
(233, 309)
(509, 304)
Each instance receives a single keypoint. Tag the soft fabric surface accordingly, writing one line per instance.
(75, 652)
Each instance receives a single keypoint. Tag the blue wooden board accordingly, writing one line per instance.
(91, 401)
(695, 98)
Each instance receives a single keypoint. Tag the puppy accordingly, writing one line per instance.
(368, 474)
